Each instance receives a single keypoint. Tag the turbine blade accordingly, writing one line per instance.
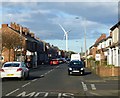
(63, 29)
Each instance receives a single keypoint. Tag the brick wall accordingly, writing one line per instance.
(108, 71)
(103, 71)
(5, 54)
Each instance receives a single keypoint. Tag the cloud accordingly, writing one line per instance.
(60, 0)
(42, 18)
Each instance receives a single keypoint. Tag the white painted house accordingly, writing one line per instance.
(115, 47)
(109, 50)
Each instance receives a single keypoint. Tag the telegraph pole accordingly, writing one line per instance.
(21, 43)
(85, 41)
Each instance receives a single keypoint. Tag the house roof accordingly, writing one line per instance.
(108, 37)
(116, 25)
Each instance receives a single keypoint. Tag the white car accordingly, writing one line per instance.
(14, 69)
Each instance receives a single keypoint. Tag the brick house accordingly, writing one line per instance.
(32, 48)
(28, 50)
(97, 48)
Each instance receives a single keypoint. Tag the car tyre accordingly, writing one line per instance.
(23, 77)
(68, 73)
(28, 75)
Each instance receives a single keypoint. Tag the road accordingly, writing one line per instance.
(53, 81)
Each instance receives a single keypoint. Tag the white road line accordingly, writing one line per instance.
(84, 86)
(46, 73)
(93, 87)
(34, 80)
(26, 84)
(41, 75)
(49, 71)
(57, 66)
(93, 93)
(12, 92)
(59, 95)
(46, 95)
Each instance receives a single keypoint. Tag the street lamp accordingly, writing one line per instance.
(21, 43)
(84, 38)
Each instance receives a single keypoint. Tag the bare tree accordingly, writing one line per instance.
(11, 40)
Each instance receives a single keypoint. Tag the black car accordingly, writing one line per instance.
(76, 67)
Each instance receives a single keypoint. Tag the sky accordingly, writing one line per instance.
(78, 17)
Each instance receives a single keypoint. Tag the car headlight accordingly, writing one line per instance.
(70, 68)
(82, 68)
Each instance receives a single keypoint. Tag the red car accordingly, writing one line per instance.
(54, 62)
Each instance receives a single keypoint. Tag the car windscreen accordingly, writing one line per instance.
(76, 63)
(12, 65)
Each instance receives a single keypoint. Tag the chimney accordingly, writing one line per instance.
(103, 36)
(111, 34)
(18, 27)
(32, 35)
(4, 25)
(13, 25)
(25, 30)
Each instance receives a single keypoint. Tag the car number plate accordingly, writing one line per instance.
(10, 74)
(76, 71)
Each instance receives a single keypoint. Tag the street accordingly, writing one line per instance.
(53, 81)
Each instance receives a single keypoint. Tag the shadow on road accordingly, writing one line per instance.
(18, 79)
(87, 73)
(34, 77)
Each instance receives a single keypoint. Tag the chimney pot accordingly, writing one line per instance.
(4, 25)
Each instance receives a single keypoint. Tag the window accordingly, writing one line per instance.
(119, 51)
(109, 43)
(12, 65)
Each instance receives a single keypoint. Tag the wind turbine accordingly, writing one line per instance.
(66, 36)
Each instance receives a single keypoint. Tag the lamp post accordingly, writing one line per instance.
(85, 41)
(85, 45)
(21, 43)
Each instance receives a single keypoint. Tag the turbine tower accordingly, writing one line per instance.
(66, 36)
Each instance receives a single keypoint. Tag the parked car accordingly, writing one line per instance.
(68, 60)
(54, 62)
(14, 69)
(76, 66)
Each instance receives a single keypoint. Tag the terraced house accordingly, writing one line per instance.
(18, 43)
(107, 48)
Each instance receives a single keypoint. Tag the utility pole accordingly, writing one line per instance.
(85, 41)
(21, 43)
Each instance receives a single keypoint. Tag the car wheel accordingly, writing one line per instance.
(83, 72)
(68, 73)
(23, 77)
(28, 75)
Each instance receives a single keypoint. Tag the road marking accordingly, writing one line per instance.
(49, 71)
(34, 80)
(46, 94)
(84, 86)
(57, 66)
(46, 73)
(23, 94)
(26, 84)
(41, 76)
(12, 92)
(59, 95)
(93, 87)
(93, 93)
